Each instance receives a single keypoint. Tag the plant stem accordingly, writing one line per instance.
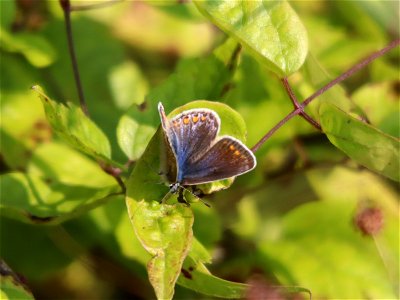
(352, 70)
(342, 77)
(66, 6)
(296, 104)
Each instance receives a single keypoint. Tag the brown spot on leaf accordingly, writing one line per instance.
(39, 220)
(142, 106)
(187, 274)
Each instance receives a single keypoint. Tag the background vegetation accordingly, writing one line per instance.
(319, 212)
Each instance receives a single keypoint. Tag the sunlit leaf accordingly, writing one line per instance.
(23, 127)
(195, 278)
(127, 85)
(31, 199)
(76, 129)
(35, 48)
(364, 143)
(165, 231)
(270, 30)
(144, 192)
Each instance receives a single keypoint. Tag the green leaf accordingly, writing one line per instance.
(128, 85)
(144, 192)
(379, 103)
(195, 278)
(76, 129)
(165, 231)
(133, 135)
(270, 30)
(31, 199)
(45, 256)
(316, 77)
(307, 254)
(314, 238)
(364, 143)
(23, 127)
(12, 286)
(33, 47)
(193, 79)
(57, 161)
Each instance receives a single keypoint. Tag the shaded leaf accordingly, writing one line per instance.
(270, 30)
(365, 144)
(12, 286)
(45, 257)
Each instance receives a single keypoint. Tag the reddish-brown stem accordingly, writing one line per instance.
(66, 6)
(296, 104)
(352, 70)
(342, 77)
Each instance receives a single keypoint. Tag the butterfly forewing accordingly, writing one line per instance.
(190, 134)
(228, 157)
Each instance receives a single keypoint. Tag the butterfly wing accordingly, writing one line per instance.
(190, 135)
(226, 158)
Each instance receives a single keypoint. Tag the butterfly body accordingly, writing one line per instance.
(200, 155)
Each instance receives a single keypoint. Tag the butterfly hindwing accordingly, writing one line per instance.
(200, 156)
(226, 158)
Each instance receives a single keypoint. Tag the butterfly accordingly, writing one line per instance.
(199, 155)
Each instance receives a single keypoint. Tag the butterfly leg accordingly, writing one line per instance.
(166, 197)
(181, 198)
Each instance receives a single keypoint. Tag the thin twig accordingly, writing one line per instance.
(296, 104)
(114, 172)
(66, 6)
(352, 70)
(342, 77)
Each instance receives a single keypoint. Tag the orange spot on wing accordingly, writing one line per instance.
(203, 118)
(232, 147)
(186, 120)
(195, 119)
(237, 153)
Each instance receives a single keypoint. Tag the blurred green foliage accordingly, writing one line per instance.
(299, 221)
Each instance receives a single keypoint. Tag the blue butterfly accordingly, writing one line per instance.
(199, 155)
